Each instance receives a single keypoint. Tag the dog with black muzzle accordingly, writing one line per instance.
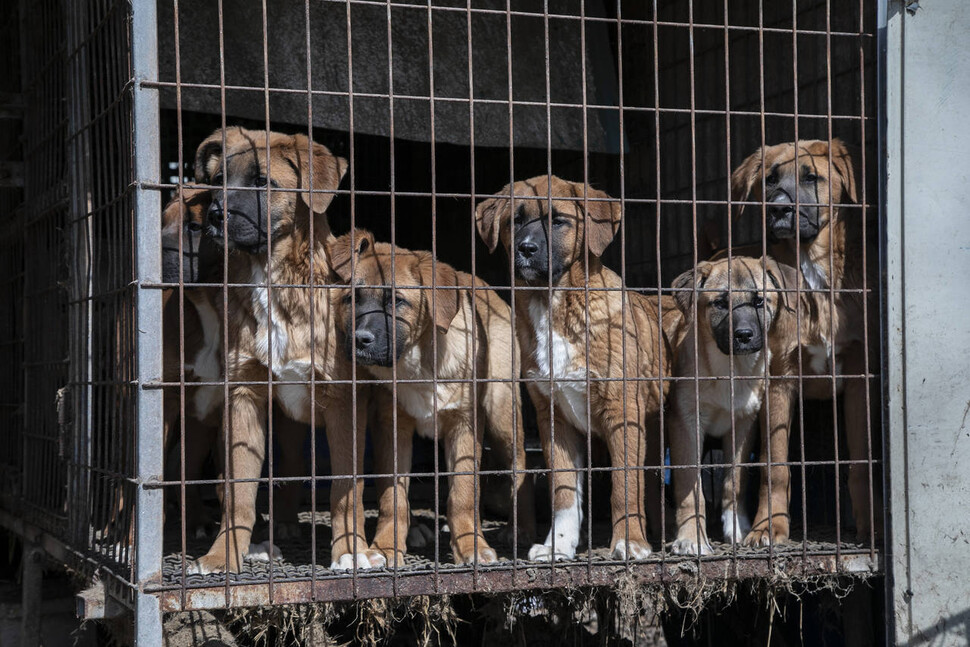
(745, 328)
(823, 235)
(269, 201)
(578, 346)
(393, 325)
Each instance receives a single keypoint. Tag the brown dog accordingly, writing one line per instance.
(746, 328)
(264, 219)
(825, 240)
(461, 337)
(562, 247)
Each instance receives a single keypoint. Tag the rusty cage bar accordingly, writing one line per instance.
(430, 109)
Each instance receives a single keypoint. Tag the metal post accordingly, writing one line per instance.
(31, 598)
(145, 157)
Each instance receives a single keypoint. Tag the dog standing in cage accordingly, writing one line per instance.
(581, 341)
(448, 333)
(748, 324)
(812, 222)
(275, 231)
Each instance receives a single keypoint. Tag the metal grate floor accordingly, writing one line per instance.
(294, 578)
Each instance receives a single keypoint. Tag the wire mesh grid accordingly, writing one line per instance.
(315, 417)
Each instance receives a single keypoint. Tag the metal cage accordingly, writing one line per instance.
(435, 107)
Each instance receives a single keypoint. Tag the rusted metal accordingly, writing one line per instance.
(685, 124)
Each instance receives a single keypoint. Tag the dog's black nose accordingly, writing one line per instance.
(527, 248)
(215, 214)
(363, 339)
(743, 335)
(781, 206)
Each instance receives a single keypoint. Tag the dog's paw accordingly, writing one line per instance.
(734, 526)
(631, 549)
(767, 534)
(485, 555)
(419, 536)
(687, 546)
(543, 553)
(375, 558)
(346, 562)
(263, 552)
(212, 563)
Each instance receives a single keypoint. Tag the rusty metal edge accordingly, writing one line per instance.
(500, 581)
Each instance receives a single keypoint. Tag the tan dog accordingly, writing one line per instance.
(563, 247)
(284, 330)
(459, 338)
(827, 243)
(747, 328)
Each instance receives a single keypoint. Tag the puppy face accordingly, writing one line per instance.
(737, 310)
(247, 214)
(379, 324)
(183, 220)
(791, 171)
(544, 240)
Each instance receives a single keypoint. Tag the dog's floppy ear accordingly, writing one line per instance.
(686, 283)
(341, 251)
(782, 278)
(209, 148)
(446, 302)
(491, 216)
(327, 169)
(744, 177)
(604, 219)
(844, 165)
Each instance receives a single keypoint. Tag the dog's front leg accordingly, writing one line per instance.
(463, 454)
(689, 503)
(772, 522)
(348, 547)
(246, 429)
(865, 509)
(734, 520)
(564, 455)
(627, 442)
(390, 540)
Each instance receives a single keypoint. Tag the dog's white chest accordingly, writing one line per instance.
(554, 359)
(294, 399)
(270, 335)
(719, 409)
(813, 274)
(422, 400)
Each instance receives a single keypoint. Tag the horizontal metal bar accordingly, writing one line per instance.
(527, 576)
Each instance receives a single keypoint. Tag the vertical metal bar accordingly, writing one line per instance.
(31, 596)
(269, 296)
(145, 158)
(312, 295)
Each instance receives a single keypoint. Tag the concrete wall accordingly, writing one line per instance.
(928, 262)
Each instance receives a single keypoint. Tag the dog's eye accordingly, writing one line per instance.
(758, 301)
(772, 179)
(193, 226)
(720, 303)
(519, 218)
(810, 178)
(560, 221)
(401, 302)
(216, 179)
